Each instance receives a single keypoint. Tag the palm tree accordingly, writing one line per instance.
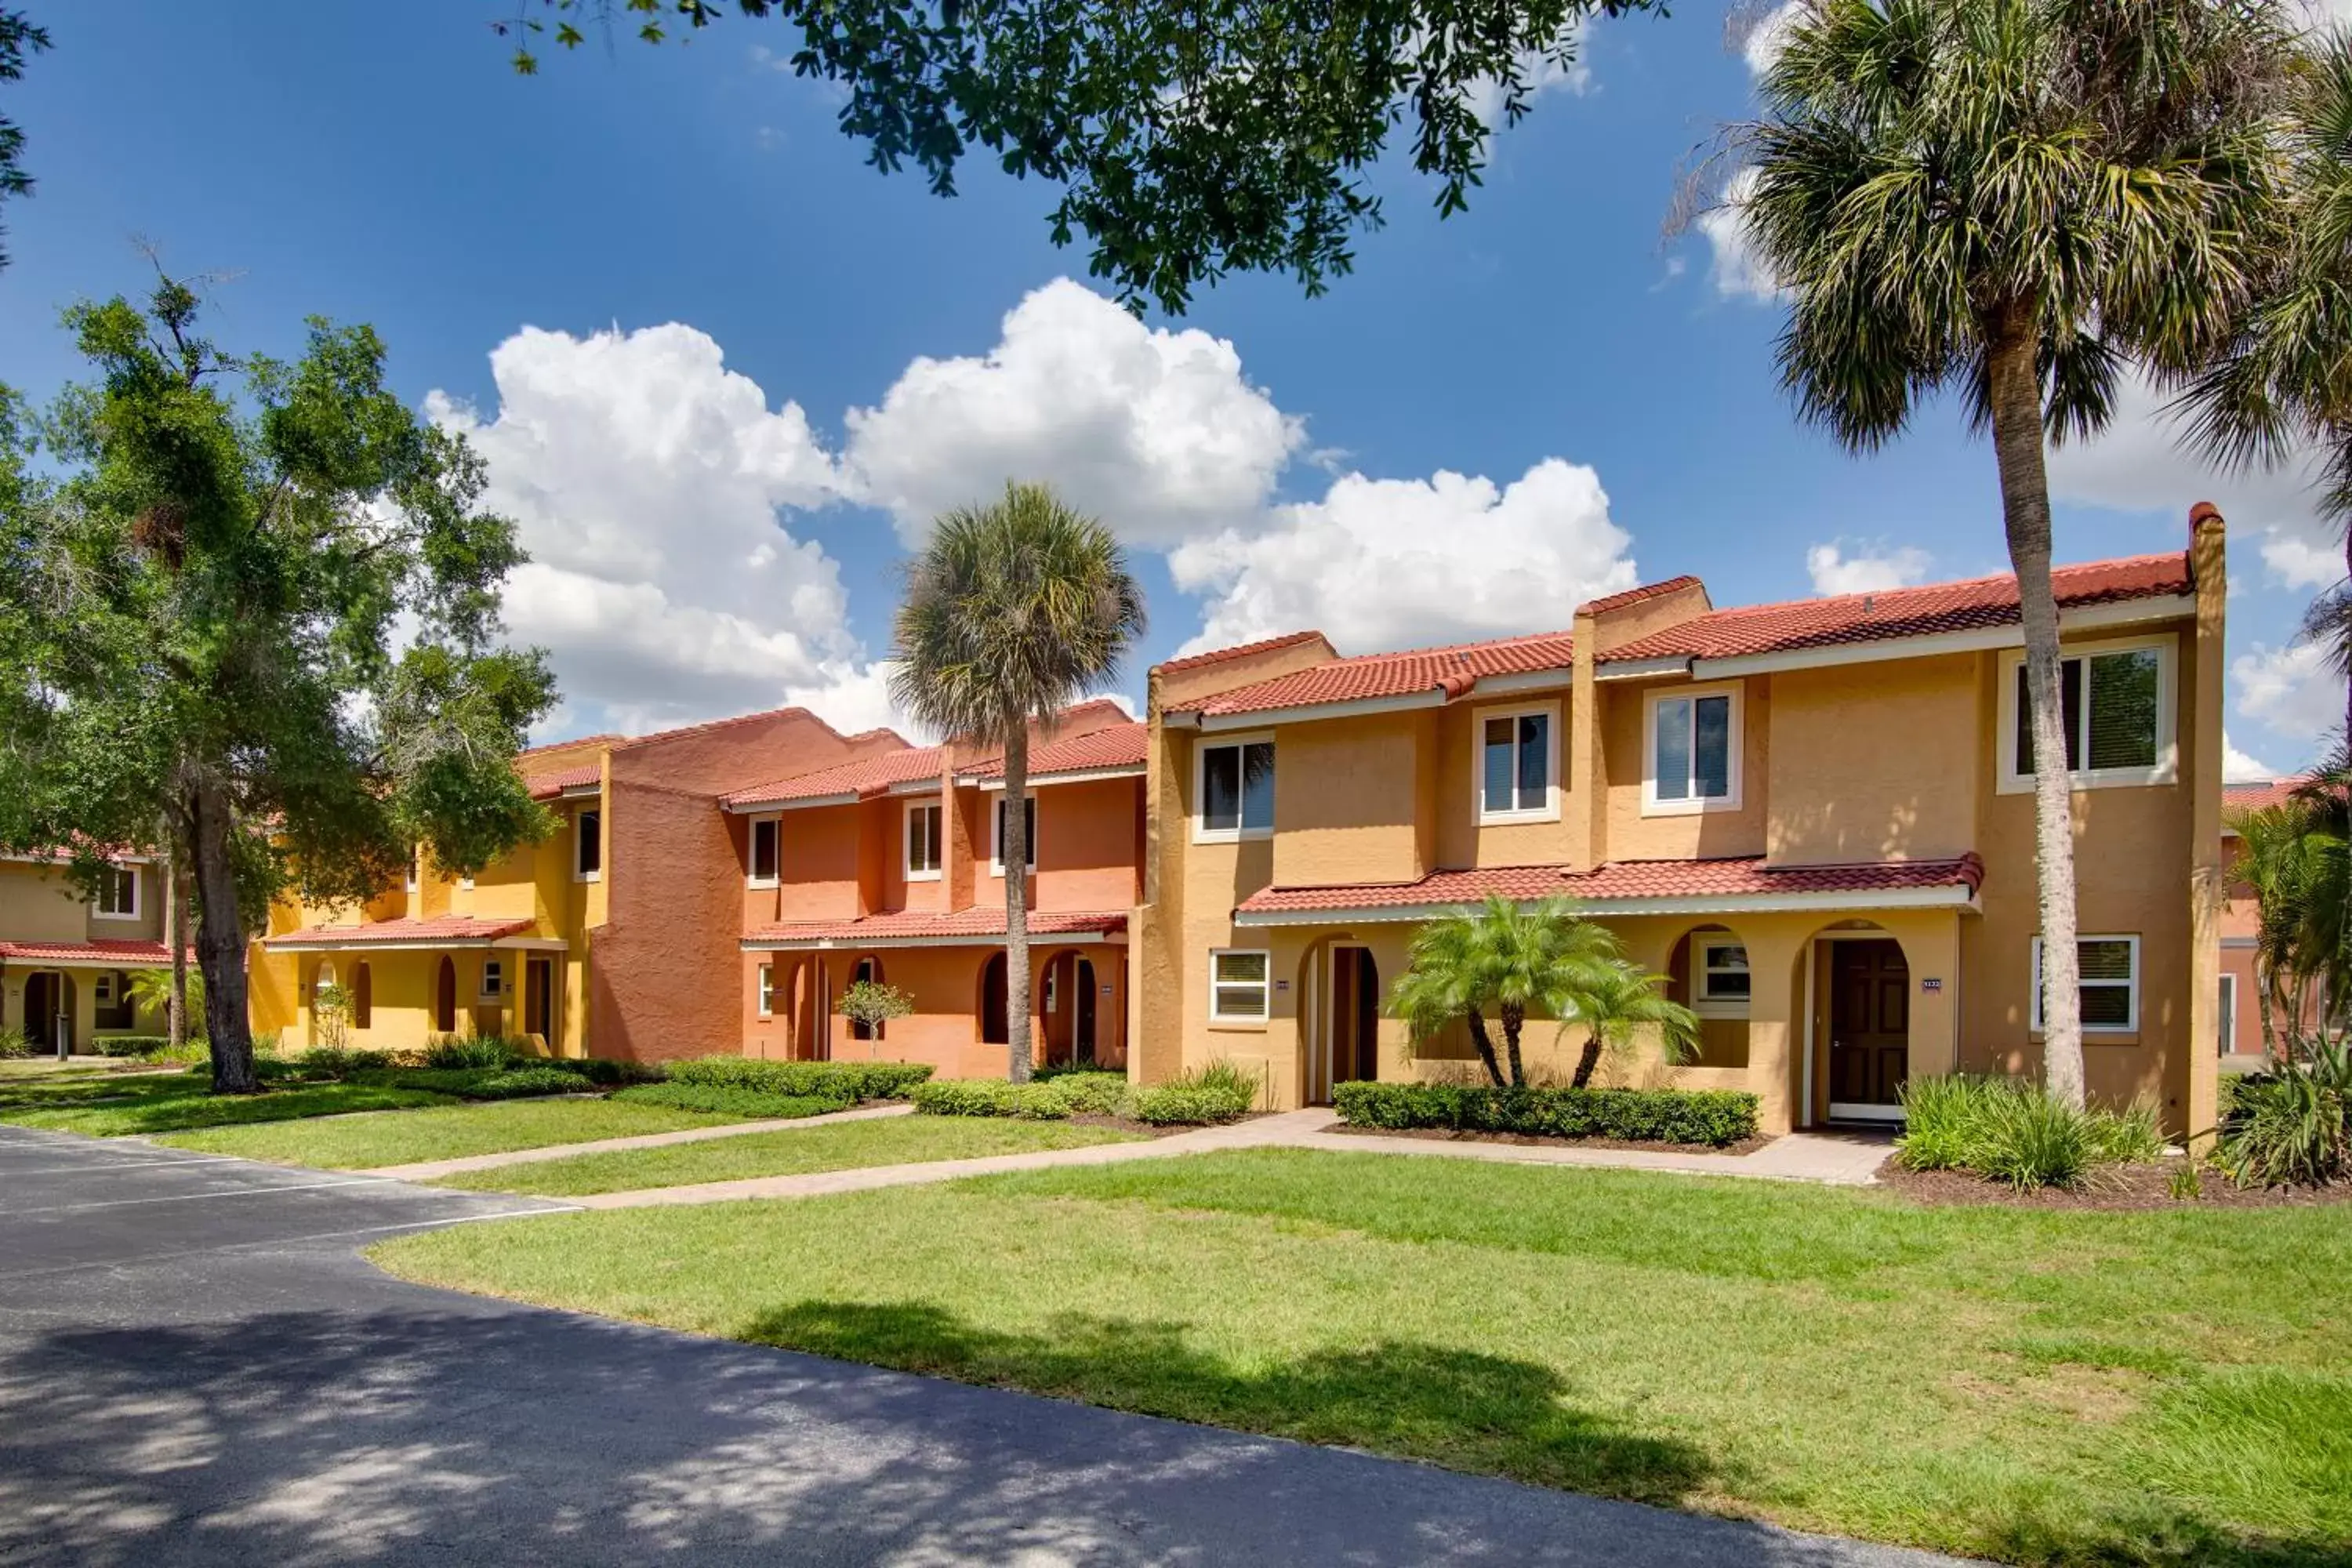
(151, 991)
(1013, 612)
(2288, 855)
(2012, 199)
(1619, 1000)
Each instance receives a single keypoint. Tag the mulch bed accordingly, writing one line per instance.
(1539, 1140)
(2114, 1188)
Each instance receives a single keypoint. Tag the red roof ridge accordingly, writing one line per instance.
(1635, 595)
(1239, 650)
(1513, 640)
(596, 740)
(708, 725)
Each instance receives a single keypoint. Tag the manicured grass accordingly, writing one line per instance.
(2044, 1386)
(838, 1146)
(441, 1132)
(111, 1104)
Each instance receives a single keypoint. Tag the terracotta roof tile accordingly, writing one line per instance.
(1453, 670)
(977, 924)
(2261, 792)
(130, 954)
(862, 776)
(1243, 650)
(1901, 611)
(1115, 746)
(439, 928)
(1747, 876)
(547, 786)
(1635, 595)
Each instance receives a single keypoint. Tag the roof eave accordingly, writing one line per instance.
(1952, 896)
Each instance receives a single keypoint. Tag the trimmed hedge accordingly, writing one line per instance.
(848, 1082)
(605, 1072)
(991, 1097)
(1713, 1116)
(719, 1099)
(1090, 1092)
(1191, 1104)
(130, 1045)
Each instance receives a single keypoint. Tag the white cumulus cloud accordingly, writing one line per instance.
(2290, 689)
(2238, 767)
(645, 480)
(1870, 568)
(1738, 272)
(1380, 563)
(1156, 432)
(1762, 31)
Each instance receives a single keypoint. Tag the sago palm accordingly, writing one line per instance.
(2011, 200)
(1012, 611)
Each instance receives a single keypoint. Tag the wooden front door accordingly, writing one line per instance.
(537, 996)
(1083, 993)
(1870, 1027)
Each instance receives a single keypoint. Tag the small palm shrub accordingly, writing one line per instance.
(2289, 1127)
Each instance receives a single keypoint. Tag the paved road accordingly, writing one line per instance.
(197, 1367)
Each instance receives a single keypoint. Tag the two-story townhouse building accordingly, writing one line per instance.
(66, 959)
(889, 870)
(1815, 818)
(612, 937)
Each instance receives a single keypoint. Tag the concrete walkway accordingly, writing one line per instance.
(1830, 1159)
(427, 1170)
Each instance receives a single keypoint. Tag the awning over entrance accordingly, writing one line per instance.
(443, 932)
(1635, 888)
(927, 929)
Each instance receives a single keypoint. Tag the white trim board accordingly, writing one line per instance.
(1952, 896)
(875, 943)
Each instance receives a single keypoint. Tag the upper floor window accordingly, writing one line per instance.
(2115, 699)
(923, 822)
(1518, 765)
(588, 846)
(764, 836)
(996, 838)
(1235, 789)
(2108, 977)
(1693, 752)
(118, 894)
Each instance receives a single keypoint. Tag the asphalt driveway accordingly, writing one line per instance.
(197, 1366)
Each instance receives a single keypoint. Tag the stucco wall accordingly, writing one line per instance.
(1875, 762)
(1349, 802)
(37, 904)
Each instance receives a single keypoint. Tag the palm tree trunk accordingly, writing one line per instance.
(1589, 1058)
(1478, 1038)
(2263, 1008)
(1514, 1017)
(220, 942)
(1015, 850)
(2016, 401)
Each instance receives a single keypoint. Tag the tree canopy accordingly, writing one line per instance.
(1190, 140)
(18, 39)
(251, 608)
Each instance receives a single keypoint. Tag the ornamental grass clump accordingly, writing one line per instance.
(2010, 1129)
(1218, 1093)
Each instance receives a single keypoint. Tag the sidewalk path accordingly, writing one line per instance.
(427, 1169)
(1832, 1159)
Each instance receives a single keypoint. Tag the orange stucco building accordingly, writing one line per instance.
(2241, 1023)
(1815, 818)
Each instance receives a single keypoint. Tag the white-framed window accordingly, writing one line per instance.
(1233, 789)
(996, 833)
(2229, 1015)
(105, 989)
(767, 991)
(588, 847)
(494, 979)
(1517, 763)
(2110, 984)
(925, 819)
(1690, 749)
(1240, 982)
(767, 841)
(118, 894)
(2117, 699)
(1720, 981)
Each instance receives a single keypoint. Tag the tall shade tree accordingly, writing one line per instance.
(1013, 612)
(198, 599)
(19, 39)
(2012, 200)
(1189, 140)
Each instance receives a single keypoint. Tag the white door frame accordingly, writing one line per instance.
(1841, 1111)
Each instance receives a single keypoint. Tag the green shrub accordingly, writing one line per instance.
(2130, 1137)
(1217, 1092)
(1710, 1116)
(2290, 1126)
(606, 1072)
(2013, 1131)
(523, 1083)
(1091, 1093)
(330, 1061)
(476, 1051)
(838, 1081)
(2031, 1138)
(991, 1097)
(1941, 1117)
(719, 1099)
(123, 1046)
(14, 1046)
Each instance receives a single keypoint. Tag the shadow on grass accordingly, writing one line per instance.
(183, 1101)
(1462, 1409)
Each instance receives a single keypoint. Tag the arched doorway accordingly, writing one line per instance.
(48, 1012)
(1065, 1008)
(993, 1030)
(1869, 987)
(867, 972)
(445, 998)
(1345, 1045)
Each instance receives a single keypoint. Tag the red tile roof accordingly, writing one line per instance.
(1454, 670)
(1243, 650)
(1743, 877)
(1114, 746)
(2260, 794)
(1635, 595)
(449, 929)
(547, 786)
(1902, 612)
(862, 777)
(129, 954)
(922, 925)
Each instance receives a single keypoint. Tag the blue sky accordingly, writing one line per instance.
(735, 369)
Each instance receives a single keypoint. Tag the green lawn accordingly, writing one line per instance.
(837, 1146)
(111, 1104)
(2034, 1385)
(441, 1131)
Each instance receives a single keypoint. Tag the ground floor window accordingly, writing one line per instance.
(2229, 1015)
(2110, 984)
(1238, 984)
(767, 991)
